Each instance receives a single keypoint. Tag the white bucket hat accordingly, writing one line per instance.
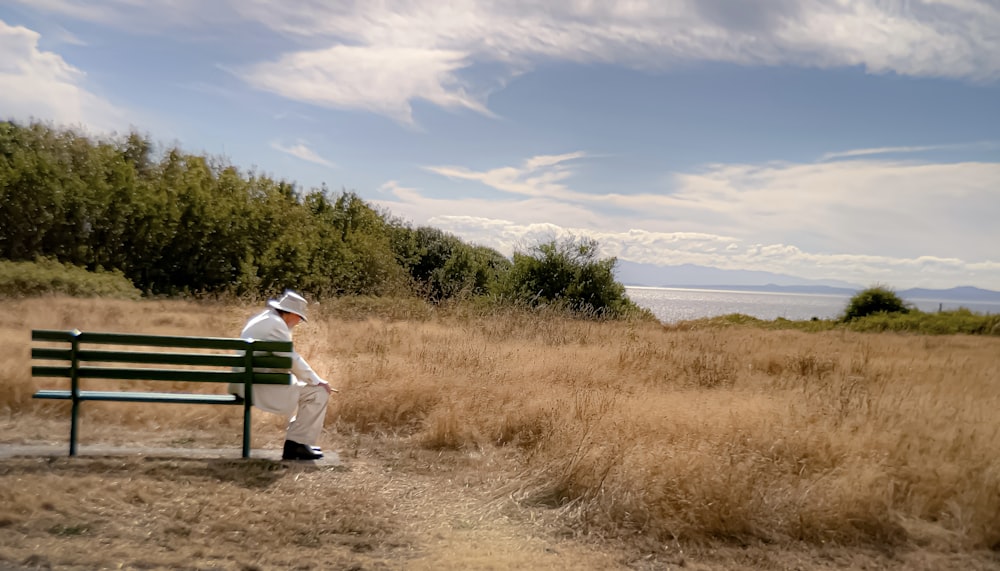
(290, 302)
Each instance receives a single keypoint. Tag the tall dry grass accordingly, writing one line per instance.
(632, 429)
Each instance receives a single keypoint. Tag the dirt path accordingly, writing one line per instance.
(384, 508)
(383, 505)
(454, 524)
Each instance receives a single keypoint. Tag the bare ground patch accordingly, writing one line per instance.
(391, 505)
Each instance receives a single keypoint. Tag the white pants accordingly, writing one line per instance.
(306, 424)
(306, 404)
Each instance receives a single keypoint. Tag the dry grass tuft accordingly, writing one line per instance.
(169, 507)
(626, 430)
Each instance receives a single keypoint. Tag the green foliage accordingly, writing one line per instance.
(940, 323)
(47, 277)
(743, 320)
(171, 222)
(876, 299)
(567, 274)
(442, 267)
(960, 321)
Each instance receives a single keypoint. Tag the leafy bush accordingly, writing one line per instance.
(876, 299)
(46, 277)
(960, 321)
(567, 275)
(175, 222)
(743, 320)
(443, 267)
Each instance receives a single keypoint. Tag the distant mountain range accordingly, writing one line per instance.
(690, 275)
(964, 293)
(701, 277)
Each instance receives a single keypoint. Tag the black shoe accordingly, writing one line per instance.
(296, 451)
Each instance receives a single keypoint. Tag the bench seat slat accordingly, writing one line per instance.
(114, 396)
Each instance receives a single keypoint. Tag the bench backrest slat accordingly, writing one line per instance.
(159, 358)
(51, 354)
(49, 335)
(190, 359)
(159, 340)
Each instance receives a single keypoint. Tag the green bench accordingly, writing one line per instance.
(79, 356)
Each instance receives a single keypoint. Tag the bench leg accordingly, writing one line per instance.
(246, 428)
(73, 424)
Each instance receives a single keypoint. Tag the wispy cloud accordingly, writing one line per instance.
(302, 151)
(64, 36)
(150, 17)
(383, 56)
(922, 38)
(880, 151)
(542, 175)
(904, 150)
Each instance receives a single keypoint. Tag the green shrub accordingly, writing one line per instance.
(569, 275)
(876, 299)
(47, 277)
(960, 321)
(743, 320)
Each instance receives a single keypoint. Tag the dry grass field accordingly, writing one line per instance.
(518, 441)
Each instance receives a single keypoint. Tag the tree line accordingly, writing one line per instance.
(175, 223)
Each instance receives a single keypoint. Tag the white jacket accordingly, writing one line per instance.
(279, 399)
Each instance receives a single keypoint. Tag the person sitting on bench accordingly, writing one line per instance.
(306, 398)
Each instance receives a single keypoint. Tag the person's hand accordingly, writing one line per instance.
(326, 387)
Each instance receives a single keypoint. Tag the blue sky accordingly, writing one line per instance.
(827, 139)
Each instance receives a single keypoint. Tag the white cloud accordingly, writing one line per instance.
(380, 79)
(675, 248)
(409, 203)
(302, 151)
(927, 38)
(908, 223)
(862, 206)
(40, 84)
(382, 56)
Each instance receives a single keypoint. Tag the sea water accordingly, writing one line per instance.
(678, 304)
